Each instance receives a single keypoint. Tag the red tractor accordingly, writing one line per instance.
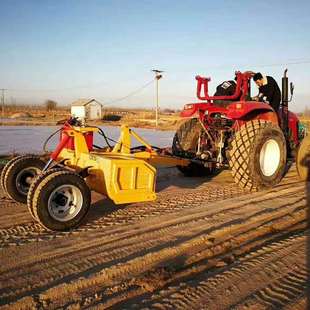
(247, 136)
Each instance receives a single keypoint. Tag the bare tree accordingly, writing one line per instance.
(50, 105)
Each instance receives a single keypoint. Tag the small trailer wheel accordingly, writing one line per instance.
(5, 169)
(61, 200)
(35, 184)
(19, 174)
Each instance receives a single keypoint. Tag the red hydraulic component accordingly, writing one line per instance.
(67, 141)
(70, 144)
(62, 144)
(241, 91)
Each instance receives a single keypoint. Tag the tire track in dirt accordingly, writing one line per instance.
(213, 212)
(143, 287)
(274, 276)
(99, 256)
(33, 232)
(167, 202)
(193, 241)
(17, 226)
(12, 213)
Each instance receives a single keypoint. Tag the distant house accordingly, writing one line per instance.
(87, 108)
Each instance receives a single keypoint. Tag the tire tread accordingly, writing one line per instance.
(41, 186)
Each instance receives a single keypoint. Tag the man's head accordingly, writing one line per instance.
(258, 79)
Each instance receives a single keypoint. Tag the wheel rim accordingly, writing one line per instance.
(270, 156)
(65, 202)
(24, 179)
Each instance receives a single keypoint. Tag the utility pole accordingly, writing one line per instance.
(158, 76)
(2, 99)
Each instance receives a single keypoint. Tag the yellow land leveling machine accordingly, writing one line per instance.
(57, 193)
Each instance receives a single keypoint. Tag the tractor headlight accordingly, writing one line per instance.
(188, 106)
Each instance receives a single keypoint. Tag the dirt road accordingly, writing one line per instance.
(204, 244)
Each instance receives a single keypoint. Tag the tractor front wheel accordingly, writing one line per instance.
(258, 155)
(185, 144)
(61, 200)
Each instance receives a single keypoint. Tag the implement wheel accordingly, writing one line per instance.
(258, 155)
(35, 184)
(18, 175)
(303, 159)
(4, 170)
(185, 143)
(61, 200)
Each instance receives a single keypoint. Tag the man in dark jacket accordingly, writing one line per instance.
(227, 88)
(269, 90)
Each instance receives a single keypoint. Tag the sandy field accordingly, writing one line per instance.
(203, 244)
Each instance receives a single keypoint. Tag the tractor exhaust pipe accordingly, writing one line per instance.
(284, 104)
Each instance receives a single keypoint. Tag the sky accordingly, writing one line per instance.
(106, 49)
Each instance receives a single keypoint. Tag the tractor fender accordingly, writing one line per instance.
(293, 124)
(250, 110)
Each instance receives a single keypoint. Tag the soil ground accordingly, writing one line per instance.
(203, 244)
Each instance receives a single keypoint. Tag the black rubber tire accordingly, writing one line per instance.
(43, 191)
(186, 137)
(35, 184)
(244, 155)
(303, 159)
(12, 172)
(5, 169)
(185, 145)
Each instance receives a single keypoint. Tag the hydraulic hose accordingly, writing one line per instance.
(101, 132)
(107, 139)
(48, 139)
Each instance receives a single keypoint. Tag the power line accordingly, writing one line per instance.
(283, 64)
(225, 66)
(132, 93)
(295, 62)
(108, 103)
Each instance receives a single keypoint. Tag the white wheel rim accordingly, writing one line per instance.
(270, 156)
(24, 179)
(65, 202)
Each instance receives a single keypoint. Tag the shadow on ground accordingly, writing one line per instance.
(167, 178)
(306, 163)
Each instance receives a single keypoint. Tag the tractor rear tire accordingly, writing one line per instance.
(61, 201)
(19, 175)
(185, 145)
(303, 159)
(35, 184)
(258, 155)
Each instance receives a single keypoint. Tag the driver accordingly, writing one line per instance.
(269, 90)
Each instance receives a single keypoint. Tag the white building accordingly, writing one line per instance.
(87, 108)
